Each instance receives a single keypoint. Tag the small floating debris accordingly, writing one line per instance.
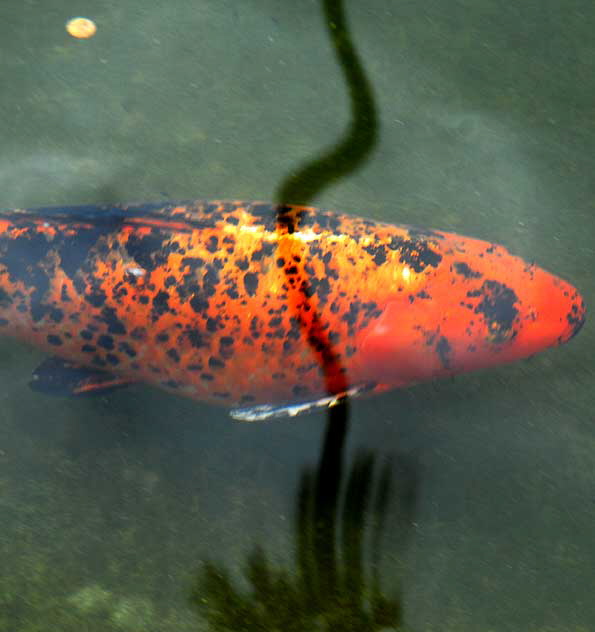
(81, 28)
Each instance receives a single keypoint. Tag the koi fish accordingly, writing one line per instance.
(268, 310)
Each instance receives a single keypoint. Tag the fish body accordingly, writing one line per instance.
(250, 304)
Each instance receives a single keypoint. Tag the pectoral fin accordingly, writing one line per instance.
(58, 377)
(265, 412)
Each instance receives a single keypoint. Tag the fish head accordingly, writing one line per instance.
(478, 306)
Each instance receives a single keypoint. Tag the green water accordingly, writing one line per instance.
(111, 507)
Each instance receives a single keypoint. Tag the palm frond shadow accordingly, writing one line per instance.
(329, 588)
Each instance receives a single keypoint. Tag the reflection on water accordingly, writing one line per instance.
(327, 589)
(109, 507)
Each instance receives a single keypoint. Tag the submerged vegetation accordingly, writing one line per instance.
(328, 589)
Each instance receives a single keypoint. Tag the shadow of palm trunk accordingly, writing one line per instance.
(330, 589)
(343, 158)
(331, 551)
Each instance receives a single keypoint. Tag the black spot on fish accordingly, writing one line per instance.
(112, 359)
(378, 253)
(251, 283)
(138, 333)
(232, 291)
(119, 292)
(210, 280)
(334, 337)
(327, 221)
(107, 342)
(74, 249)
(416, 253)
(212, 324)
(173, 354)
(255, 327)
(350, 317)
(96, 297)
(160, 305)
(213, 244)
(498, 310)
(199, 303)
(321, 288)
(114, 324)
(226, 347)
(444, 350)
(576, 318)
(124, 347)
(196, 339)
(146, 250)
(54, 340)
(194, 263)
(216, 363)
(462, 268)
(424, 233)
(57, 315)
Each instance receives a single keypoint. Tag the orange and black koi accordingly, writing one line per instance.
(203, 299)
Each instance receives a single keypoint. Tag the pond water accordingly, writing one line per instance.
(463, 504)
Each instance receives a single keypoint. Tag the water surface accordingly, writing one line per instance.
(111, 506)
